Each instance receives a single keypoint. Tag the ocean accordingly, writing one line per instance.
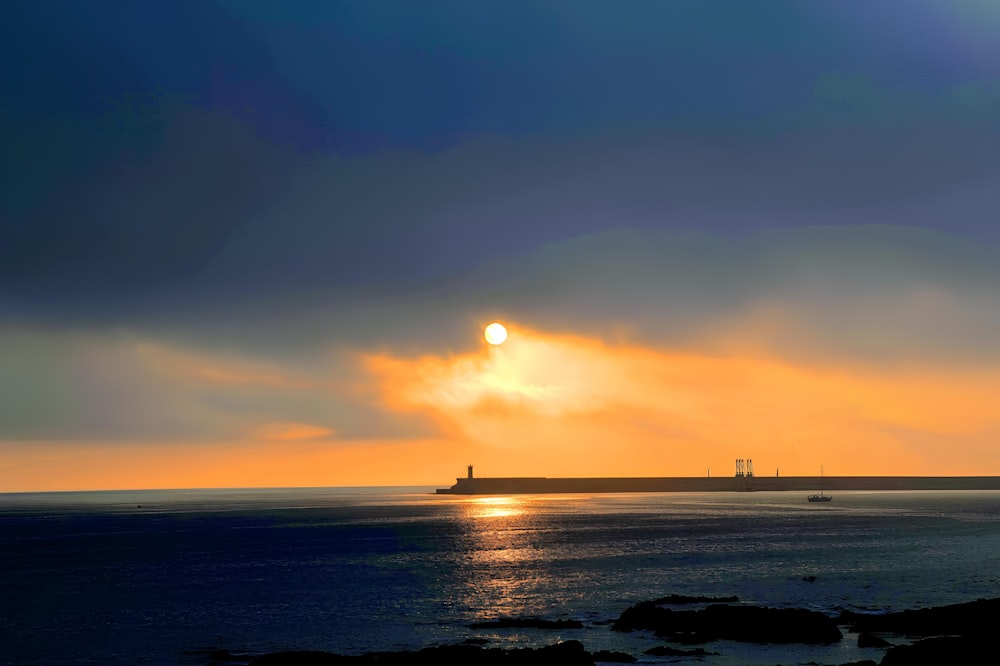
(164, 576)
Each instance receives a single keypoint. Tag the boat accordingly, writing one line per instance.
(821, 497)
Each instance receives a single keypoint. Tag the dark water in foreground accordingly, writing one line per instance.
(92, 578)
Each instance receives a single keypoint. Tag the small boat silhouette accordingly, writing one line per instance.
(821, 497)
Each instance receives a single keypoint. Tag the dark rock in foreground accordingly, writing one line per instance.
(749, 624)
(956, 634)
(570, 653)
(975, 618)
(643, 615)
(942, 650)
(527, 623)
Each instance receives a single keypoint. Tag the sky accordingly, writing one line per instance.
(250, 244)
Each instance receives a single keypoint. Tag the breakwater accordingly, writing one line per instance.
(682, 484)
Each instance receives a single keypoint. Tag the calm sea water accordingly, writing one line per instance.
(97, 578)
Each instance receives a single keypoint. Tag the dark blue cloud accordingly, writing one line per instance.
(180, 154)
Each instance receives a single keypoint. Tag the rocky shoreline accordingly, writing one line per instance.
(955, 634)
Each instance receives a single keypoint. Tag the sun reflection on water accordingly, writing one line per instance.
(515, 557)
(504, 560)
(496, 507)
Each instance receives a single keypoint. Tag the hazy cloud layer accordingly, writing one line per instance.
(849, 296)
(123, 388)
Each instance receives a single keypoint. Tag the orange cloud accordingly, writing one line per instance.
(290, 432)
(565, 405)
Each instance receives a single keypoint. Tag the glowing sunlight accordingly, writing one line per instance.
(564, 405)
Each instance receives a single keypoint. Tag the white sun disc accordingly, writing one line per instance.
(495, 333)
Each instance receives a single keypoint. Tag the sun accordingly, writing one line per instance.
(495, 333)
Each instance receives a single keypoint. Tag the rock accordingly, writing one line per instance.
(613, 657)
(866, 640)
(975, 618)
(751, 624)
(643, 615)
(768, 625)
(689, 639)
(526, 623)
(809, 579)
(941, 650)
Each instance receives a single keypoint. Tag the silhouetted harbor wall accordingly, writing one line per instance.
(682, 484)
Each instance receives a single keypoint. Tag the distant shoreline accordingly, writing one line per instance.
(680, 484)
